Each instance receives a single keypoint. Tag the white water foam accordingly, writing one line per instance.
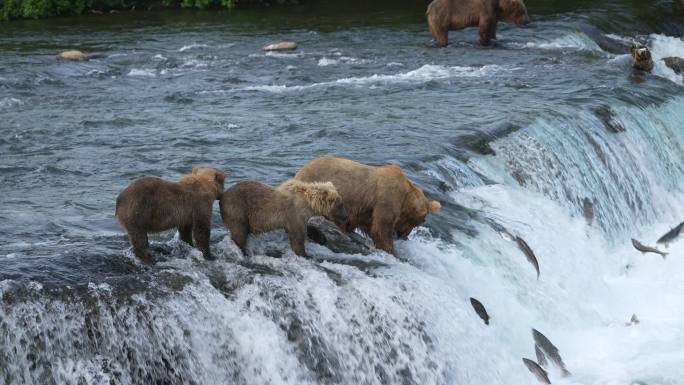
(582, 301)
(663, 46)
(423, 74)
(575, 41)
(142, 72)
(589, 285)
(325, 61)
(7, 103)
(282, 54)
(192, 46)
(621, 38)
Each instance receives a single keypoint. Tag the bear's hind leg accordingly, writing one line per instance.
(140, 245)
(185, 234)
(297, 236)
(239, 234)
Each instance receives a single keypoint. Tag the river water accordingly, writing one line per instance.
(514, 137)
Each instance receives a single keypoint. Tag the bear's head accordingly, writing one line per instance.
(513, 11)
(415, 209)
(205, 178)
(641, 57)
(323, 199)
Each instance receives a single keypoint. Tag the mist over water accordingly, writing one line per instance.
(512, 138)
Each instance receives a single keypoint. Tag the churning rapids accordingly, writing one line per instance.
(515, 137)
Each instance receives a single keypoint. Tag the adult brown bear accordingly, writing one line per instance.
(151, 205)
(446, 15)
(380, 201)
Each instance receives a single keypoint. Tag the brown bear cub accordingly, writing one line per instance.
(448, 15)
(381, 201)
(152, 205)
(253, 208)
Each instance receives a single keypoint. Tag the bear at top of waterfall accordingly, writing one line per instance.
(151, 205)
(380, 201)
(446, 15)
(251, 207)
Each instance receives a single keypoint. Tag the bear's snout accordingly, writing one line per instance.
(521, 19)
(341, 218)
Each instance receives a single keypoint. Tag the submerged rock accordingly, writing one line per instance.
(675, 63)
(608, 118)
(282, 46)
(73, 55)
(326, 233)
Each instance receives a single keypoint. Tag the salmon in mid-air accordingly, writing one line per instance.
(647, 249)
(671, 235)
(537, 370)
(480, 310)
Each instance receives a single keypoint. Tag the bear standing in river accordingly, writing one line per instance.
(381, 201)
(151, 205)
(446, 15)
(253, 208)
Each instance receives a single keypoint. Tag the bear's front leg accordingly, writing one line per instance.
(297, 236)
(382, 231)
(440, 35)
(438, 17)
(487, 30)
(138, 239)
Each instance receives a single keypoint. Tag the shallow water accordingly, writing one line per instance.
(512, 137)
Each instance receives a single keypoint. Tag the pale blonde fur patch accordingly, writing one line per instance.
(203, 178)
(320, 196)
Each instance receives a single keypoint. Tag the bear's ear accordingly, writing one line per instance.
(505, 5)
(330, 196)
(434, 207)
(195, 170)
(220, 177)
(510, 6)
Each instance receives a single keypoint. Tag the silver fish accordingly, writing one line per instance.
(480, 310)
(671, 235)
(537, 370)
(647, 249)
(541, 358)
(550, 350)
(525, 248)
(588, 210)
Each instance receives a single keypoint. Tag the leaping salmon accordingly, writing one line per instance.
(550, 350)
(647, 249)
(671, 235)
(525, 248)
(537, 370)
(480, 310)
